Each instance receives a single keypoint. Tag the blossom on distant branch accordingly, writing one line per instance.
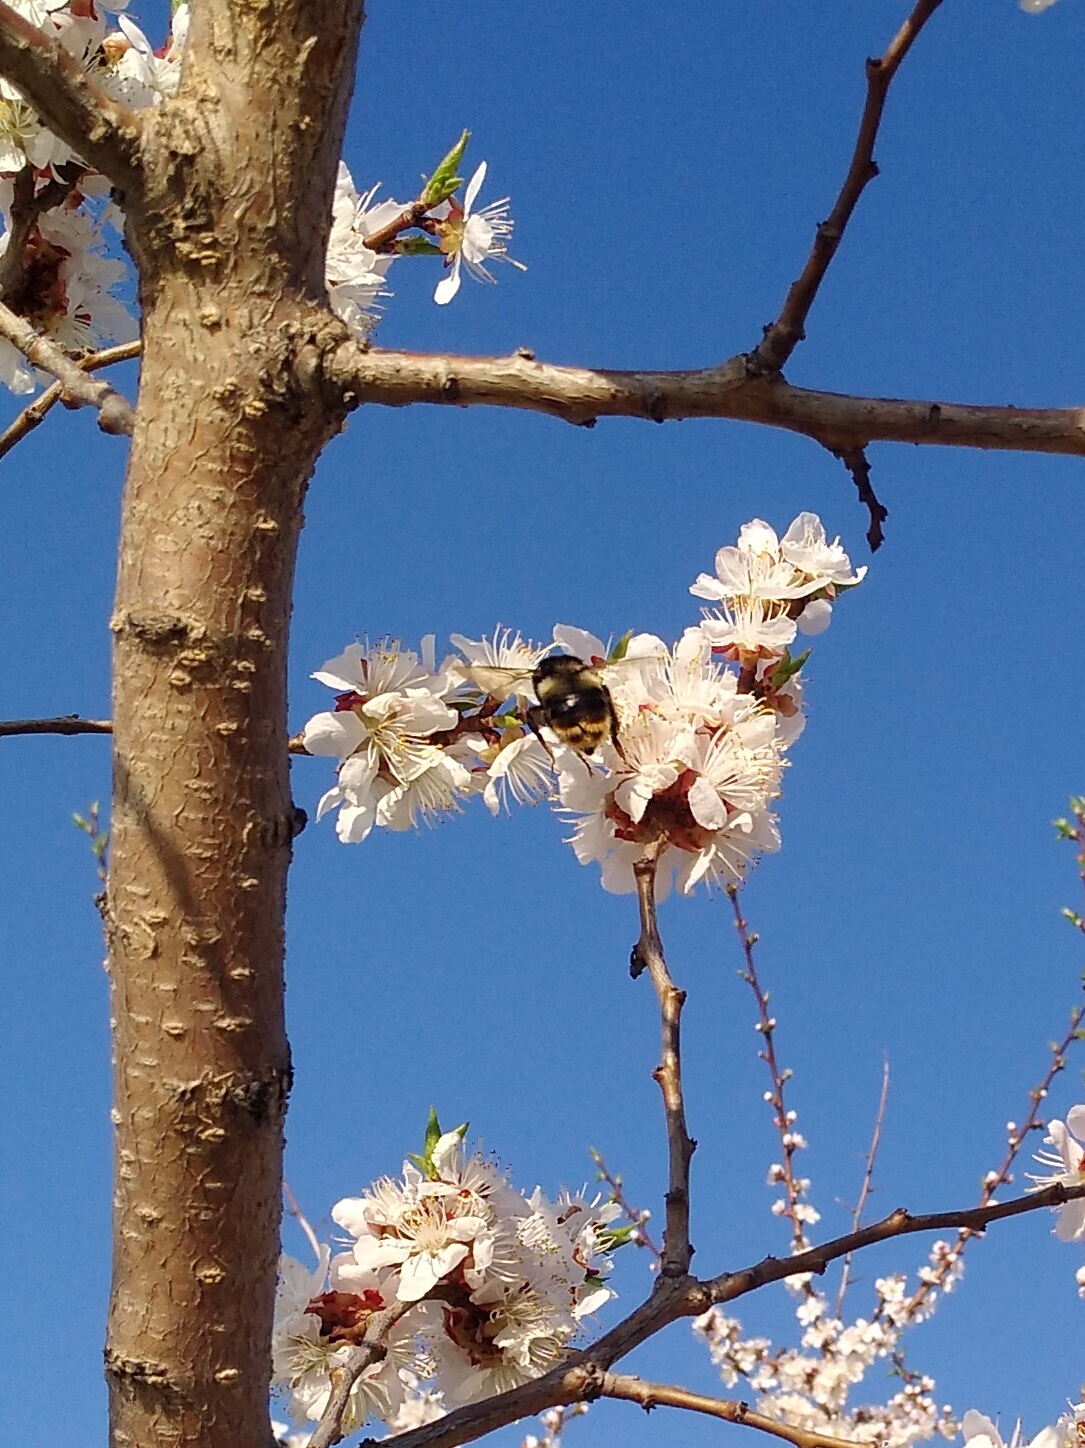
(1068, 1159)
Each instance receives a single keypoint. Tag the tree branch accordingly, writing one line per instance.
(900, 1223)
(371, 1350)
(100, 129)
(648, 955)
(581, 395)
(584, 1377)
(115, 414)
(785, 334)
(63, 724)
(76, 724)
(35, 414)
(654, 1395)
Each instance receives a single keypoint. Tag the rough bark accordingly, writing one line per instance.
(229, 230)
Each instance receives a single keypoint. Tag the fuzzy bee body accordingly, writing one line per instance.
(574, 702)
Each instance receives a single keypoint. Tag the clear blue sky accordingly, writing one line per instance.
(666, 169)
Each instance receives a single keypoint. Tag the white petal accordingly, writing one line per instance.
(1075, 1120)
(449, 284)
(344, 672)
(815, 617)
(474, 186)
(706, 806)
(1071, 1224)
(579, 642)
(336, 734)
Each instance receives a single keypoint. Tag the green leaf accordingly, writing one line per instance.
(619, 649)
(444, 181)
(787, 668)
(614, 1237)
(416, 246)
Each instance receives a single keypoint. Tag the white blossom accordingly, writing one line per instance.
(1068, 1159)
(470, 238)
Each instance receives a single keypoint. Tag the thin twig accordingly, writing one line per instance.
(100, 129)
(76, 724)
(900, 1223)
(115, 414)
(648, 955)
(64, 724)
(784, 335)
(1001, 1176)
(582, 395)
(32, 416)
(858, 465)
(637, 1216)
(868, 1181)
(371, 1350)
(782, 1119)
(655, 1395)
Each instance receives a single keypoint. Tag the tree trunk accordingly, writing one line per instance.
(229, 236)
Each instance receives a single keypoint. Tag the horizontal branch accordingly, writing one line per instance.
(663, 1395)
(78, 389)
(101, 130)
(62, 724)
(581, 395)
(76, 724)
(584, 1377)
(35, 413)
(900, 1223)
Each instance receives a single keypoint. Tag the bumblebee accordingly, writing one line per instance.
(574, 702)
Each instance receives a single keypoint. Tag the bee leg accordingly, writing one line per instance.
(535, 718)
(615, 737)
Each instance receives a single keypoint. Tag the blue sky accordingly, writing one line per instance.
(666, 173)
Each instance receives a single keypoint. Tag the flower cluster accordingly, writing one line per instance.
(66, 282)
(642, 747)
(471, 1287)
(368, 236)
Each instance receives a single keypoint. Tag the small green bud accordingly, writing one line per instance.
(444, 182)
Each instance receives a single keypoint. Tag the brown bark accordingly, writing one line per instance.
(229, 229)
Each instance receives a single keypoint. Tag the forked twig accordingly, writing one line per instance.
(785, 334)
(35, 414)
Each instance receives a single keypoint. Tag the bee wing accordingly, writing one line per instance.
(499, 683)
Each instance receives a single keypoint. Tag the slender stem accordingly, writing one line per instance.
(32, 416)
(64, 724)
(76, 724)
(766, 1026)
(648, 955)
(653, 1395)
(868, 1181)
(330, 1428)
(115, 415)
(635, 1215)
(784, 335)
